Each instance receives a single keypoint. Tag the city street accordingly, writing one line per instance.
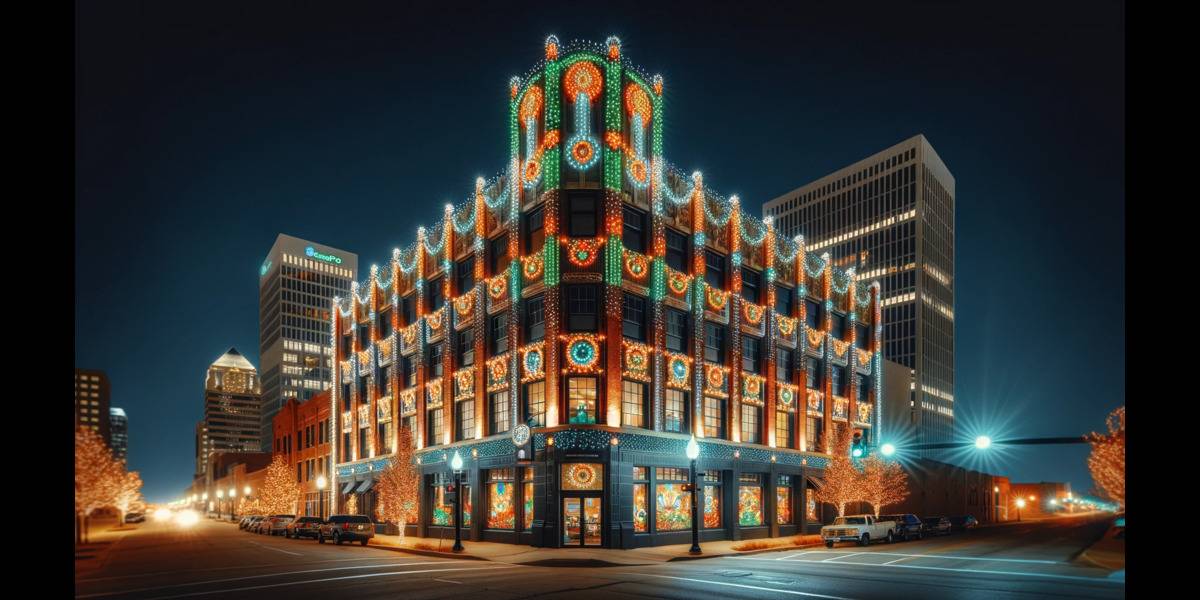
(210, 559)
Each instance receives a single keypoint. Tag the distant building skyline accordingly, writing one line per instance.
(92, 400)
(297, 282)
(119, 429)
(232, 396)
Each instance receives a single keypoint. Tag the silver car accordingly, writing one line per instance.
(277, 524)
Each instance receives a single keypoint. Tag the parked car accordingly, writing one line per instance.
(303, 527)
(277, 524)
(254, 524)
(245, 521)
(935, 526)
(858, 528)
(135, 517)
(963, 523)
(343, 528)
(907, 526)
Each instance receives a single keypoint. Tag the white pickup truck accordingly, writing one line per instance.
(857, 528)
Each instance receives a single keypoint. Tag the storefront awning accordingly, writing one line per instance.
(366, 485)
(815, 484)
(349, 486)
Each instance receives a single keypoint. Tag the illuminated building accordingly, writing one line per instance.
(202, 448)
(92, 399)
(302, 437)
(231, 406)
(296, 281)
(569, 326)
(119, 428)
(891, 216)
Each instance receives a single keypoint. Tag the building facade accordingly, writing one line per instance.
(202, 447)
(302, 436)
(231, 406)
(1042, 499)
(92, 402)
(119, 429)
(891, 217)
(296, 281)
(570, 327)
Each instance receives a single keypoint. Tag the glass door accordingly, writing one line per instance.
(591, 521)
(571, 521)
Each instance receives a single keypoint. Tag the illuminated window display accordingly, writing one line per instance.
(783, 501)
(501, 510)
(750, 500)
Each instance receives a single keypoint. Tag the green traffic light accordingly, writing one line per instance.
(857, 452)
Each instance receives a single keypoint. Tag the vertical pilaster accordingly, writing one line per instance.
(734, 402)
(697, 297)
(479, 327)
(449, 410)
(613, 297)
(801, 312)
(419, 310)
(826, 326)
(769, 328)
(851, 355)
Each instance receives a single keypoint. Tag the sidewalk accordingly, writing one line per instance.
(1108, 552)
(517, 554)
(105, 535)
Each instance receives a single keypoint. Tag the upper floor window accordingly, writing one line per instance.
(535, 232)
(714, 343)
(464, 275)
(838, 323)
(436, 297)
(581, 221)
(783, 300)
(435, 359)
(812, 314)
(634, 317)
(498, 255)
(714, 269)
(633, 235)
(837, 381)
(862, 386)
(677, 246)
(383, 323)
(814, 373)
(751, 353)
(498, 333)
(408, 308)
(410, 371)
(384, 380)
(676, 330)
(535, 319)
(751, 285)
(783, 364)
(862, 335)
(364, 335)
(465, 347)
(582, 308)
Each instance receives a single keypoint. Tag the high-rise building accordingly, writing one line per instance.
(202, 448)
(232, 405)
(119, 427)
(296, 282)
(890, 217)
(92, 399)
(575, 322)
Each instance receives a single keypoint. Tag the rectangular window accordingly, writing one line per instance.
(751, 285)
(436, 297)
(751, 424)
(299, 472)
(362, 442)
(783, 500)
(433, 422)
(464, 415)
(345, 396)
(672, 506)
(581, 222)
(714, 343)
(676, 321)
(535, 233)
(783, 364)
(862, 386)
(783, 300)
(714, 417)
(815, 372)
(383, 323)
(633, 235)
(410, 371)
(812, 314)
(346, 445)
(408, 308)
(362, 390)
(714, 269)
(838, 382)
(677, 250)
(501, 421)
(633, 317)
(582, 393)
(862, 336)
(838, 329)
(501, 508)
(712, 499)
(582, 308)
(641, 510)
(498, 255)
(812, 435)
(383, 380)
(750, 500)
(535, 319)
(783, 428)
(385, 437)
(498, 333)
(464, 275)
(364, 335)
(535, 404)
(751, 353)
(633, 404)
(675, 411)
(466, 347)
(435, 359)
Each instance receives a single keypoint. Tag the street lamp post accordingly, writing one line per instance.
(456, 464)
(220, 502)
(232, 504)
(321, 482)
(1020, 505)
(693, 452)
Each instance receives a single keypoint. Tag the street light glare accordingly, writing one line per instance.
(456, 463)
(887, 449)
(1020, 503)
(693, 449)
(983, 442)
(857, 452)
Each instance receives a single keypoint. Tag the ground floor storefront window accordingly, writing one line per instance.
(502, 512)
(641, 510)
(527, 485)
(712, 499)
(750, 500)
(441, 510)
(783, 500)
(672, 505)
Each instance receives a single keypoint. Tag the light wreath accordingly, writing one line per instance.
(583, 252)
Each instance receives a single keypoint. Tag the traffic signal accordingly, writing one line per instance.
(857, 448)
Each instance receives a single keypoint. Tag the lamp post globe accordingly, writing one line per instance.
(887, 449)
(983, 442)
(321, 483)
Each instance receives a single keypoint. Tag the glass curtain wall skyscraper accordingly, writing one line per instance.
(890, 217)
(297, 279)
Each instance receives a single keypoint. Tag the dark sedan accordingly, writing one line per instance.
(963, 523)
(935, 526)
(907, 526)
(303, 527)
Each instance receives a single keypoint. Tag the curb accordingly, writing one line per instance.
(418, 551)
(745, 553)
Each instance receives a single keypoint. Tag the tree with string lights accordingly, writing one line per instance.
(884, 482)
(1107, 460)
(129, 492)
(279, 488)
(399, 484)
(842, 483)
(97, 477)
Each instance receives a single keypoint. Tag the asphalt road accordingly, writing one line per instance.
(216, 560)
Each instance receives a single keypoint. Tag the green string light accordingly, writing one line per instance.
(658, 279)
(550, 261)
(614, 252)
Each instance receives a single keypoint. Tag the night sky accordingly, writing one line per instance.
(202, 132)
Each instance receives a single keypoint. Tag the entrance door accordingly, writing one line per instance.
(581, 520)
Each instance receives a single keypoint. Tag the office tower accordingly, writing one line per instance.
(296, 282)
(232, 405)
(119, 428)
(890, 216)
(92, 399)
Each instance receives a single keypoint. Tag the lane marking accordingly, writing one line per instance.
(897, 560)
(228, 579)
(740, 585)
(1016, 560)
(795, 555)
(448, 581)
(276, 549)
(293, 563)
(290, 583)
(843, 556)
(982, 571)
